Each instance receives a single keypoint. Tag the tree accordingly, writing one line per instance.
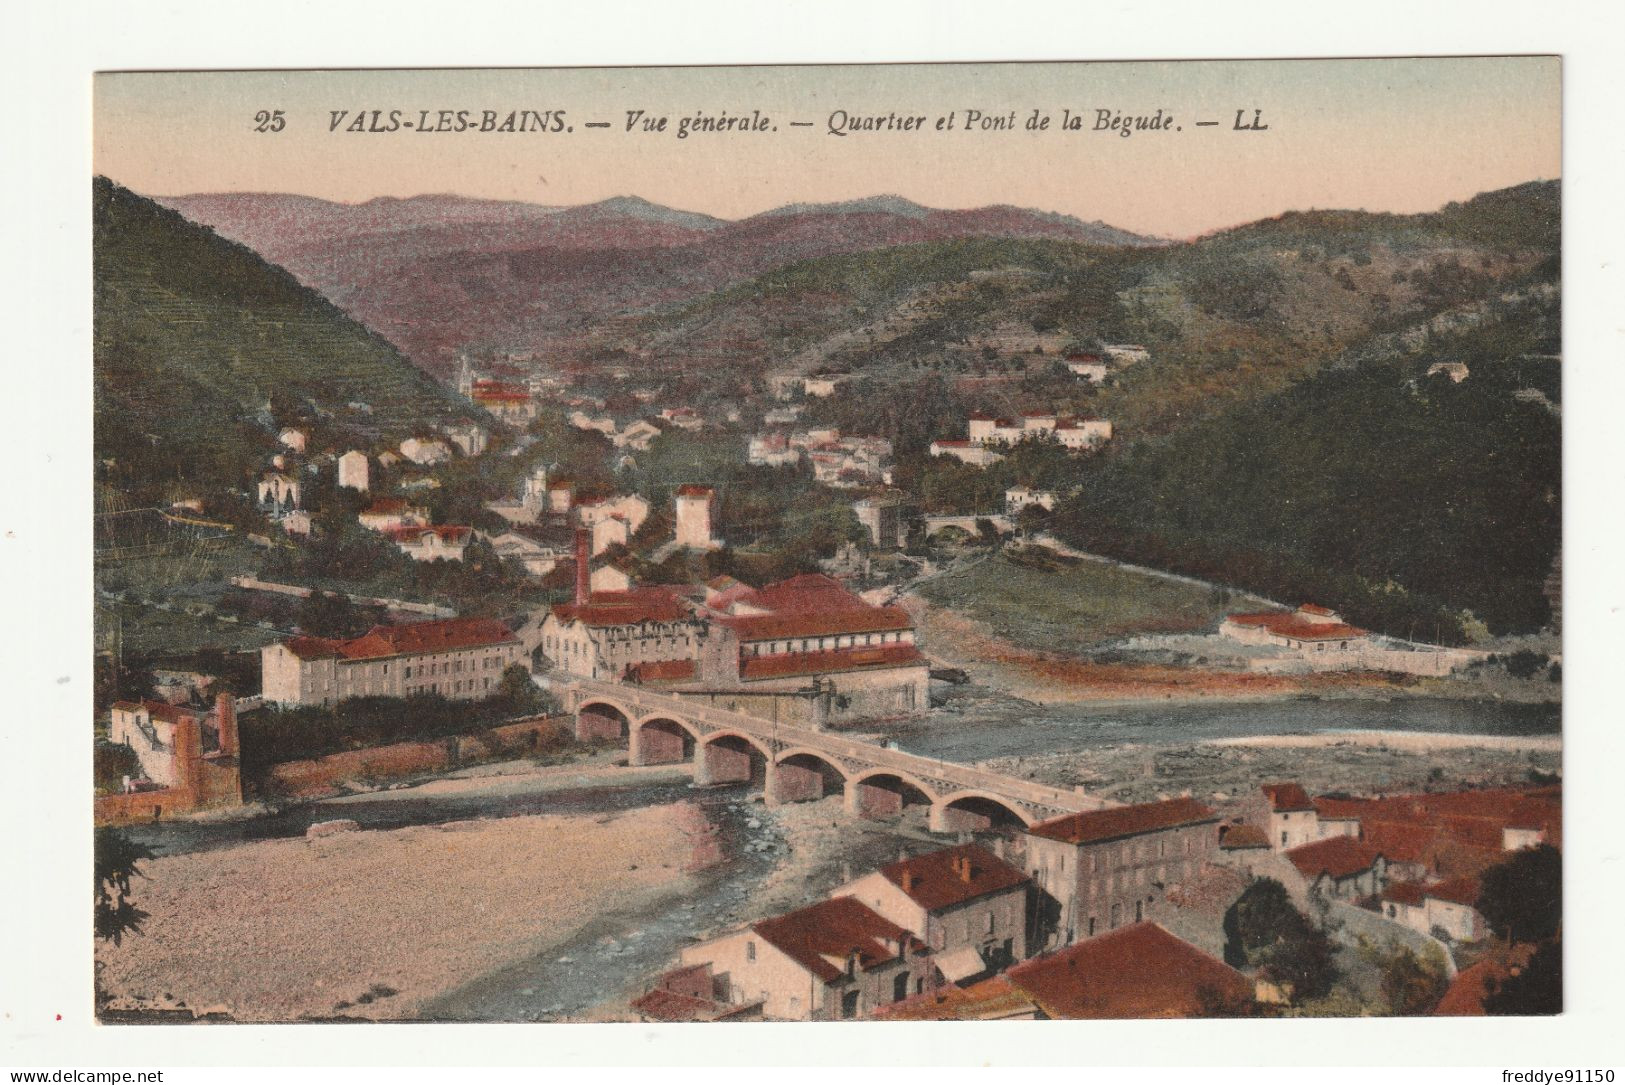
(116, 858)
(1262, 929)
(1521, 898)
(329, 614)
(1412, 984)
(1537, 988)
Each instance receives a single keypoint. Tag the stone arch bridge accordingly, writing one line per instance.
(795, 764)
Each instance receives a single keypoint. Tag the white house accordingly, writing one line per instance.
(293, 439)
(425, 452)
(971, 452)
(1019, 497)
(353, 470)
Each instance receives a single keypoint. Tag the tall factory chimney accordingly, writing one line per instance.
(583, 566)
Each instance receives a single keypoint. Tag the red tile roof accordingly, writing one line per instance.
(1095, 826)
(663, 1005)
(843, 659)
(1236, 837)
(989, 1000)
(858, 618)
(450, 533)
(822, 937)
(608, 608)
(1316, 608)
(952, 876)
(309, 648)
(1462, 890)
(665, 670)
(1139, 971)
(415, 638)
(1409, 893)
(693, 490)
(1339, 856)
(1295, 628)
(161, 710)
(1287, 798)
(1466, 993)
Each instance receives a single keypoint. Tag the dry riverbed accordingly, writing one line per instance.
(374, 924)
(1362, 762)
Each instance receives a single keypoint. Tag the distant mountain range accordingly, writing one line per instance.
(438, 274)
(195, 335)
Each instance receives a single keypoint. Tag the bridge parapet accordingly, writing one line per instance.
(855, 758)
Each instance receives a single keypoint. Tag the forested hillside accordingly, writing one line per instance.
(1413, 503)
(194, 335)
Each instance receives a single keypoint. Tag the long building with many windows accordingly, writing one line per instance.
(459, 658)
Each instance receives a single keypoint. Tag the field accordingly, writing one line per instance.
(1073, 609)
(169, 603)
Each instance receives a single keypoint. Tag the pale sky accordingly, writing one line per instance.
(1381, 135)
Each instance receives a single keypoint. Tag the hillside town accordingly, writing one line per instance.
(855, 611)
(1029, 904)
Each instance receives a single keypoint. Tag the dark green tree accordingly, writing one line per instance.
(1521, 898)
(116, 859)
(1262, 929)
(1537, 988)
(1411, 984)
(329, 614)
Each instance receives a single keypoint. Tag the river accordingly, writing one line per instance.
(974, 724)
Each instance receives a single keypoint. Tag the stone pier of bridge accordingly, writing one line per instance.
(793, 764)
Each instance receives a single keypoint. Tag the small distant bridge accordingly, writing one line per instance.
(796, 764)
(968, 523)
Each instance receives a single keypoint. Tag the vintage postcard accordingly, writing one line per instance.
(899, 543)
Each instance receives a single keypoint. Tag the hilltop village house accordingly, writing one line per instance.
(1310, 628)
(970, 907)
(458, 658)
(512, 403)
(1102, 869)
(353, 470)
(832, 961)
(804, 645)
(425, 451)
(696, 511)
(279, 494)
(188, 758)
(392, 513)
(1315, 638)
(442, 543)
(1450, 907)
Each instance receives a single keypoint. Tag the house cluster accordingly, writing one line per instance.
(985, 435)
(1313, 637)
(188, 760)
(1415, 858)
(1074, 917)
(457, 658)
(1058, 922)
(546, 518)
(806, 645)
(408, 526)
(836, 459)
(511, 402)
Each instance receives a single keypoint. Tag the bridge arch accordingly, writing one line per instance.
(804, 775)
(883, 793)
(730, 757)
(662, 739)
(599, 719)
(976, 811)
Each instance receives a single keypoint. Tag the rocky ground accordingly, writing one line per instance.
(1358, 763)
(374, 924)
